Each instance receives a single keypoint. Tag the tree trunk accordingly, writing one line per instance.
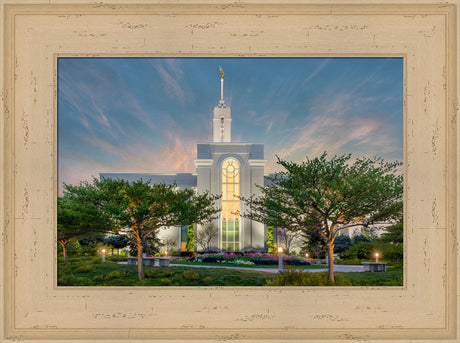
(140, 271)
(330, 254)
(64, 250)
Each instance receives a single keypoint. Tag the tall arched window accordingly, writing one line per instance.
(230, 204)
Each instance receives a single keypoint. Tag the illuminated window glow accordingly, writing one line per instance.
(230, 205)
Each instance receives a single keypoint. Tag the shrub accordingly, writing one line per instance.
(265, 261)
(83, 281)
(72, 280)
(85, 269)
(394, 252)
(395, 282)
(207, 279)
(110, 276)
(96, 260)
(167, 272)
(177, 278)
(67, 280)
(152, 273)
(361, 250)
(190, 246)
(191, 275)
(294, 262)
(272, 262)
(213, 259)
(115, 275)
(271, 247)
(115, 258)
(165, 282)
(243, 262)
(396, 264)
(294, 278)
(74, 248)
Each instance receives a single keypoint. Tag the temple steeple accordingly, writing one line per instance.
(222, 118)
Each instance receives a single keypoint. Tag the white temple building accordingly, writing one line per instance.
(222, 167)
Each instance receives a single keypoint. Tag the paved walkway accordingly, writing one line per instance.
(337, 268)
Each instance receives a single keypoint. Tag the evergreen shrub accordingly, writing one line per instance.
(294, 278)
(85, 269)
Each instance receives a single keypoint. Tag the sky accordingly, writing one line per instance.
(146, 115)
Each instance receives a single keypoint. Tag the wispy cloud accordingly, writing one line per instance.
(336, 135)
(171, 74)
(315, 72)
(114, 123)
(90, 95)
(175, 154)
(101, 117)
(338, 122)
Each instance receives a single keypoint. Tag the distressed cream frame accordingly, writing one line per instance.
(35, 34)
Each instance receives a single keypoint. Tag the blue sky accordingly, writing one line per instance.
(147, 114)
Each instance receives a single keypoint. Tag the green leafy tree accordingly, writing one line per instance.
(140, 209)
(394, 234)
(78, 215)
(270, 244)
(190, 245)
(330, 195)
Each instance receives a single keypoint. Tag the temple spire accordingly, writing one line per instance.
(222, 116)
(221, 85)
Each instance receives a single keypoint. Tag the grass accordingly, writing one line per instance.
(90, 271)
(392, 277)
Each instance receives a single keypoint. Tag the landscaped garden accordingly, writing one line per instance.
(248, 260)
(303, 209)
(91, 271)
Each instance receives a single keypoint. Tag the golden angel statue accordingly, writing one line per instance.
(221, 72)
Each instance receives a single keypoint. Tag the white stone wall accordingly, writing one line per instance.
(252, 234)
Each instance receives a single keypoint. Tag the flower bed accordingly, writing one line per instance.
(248, 258)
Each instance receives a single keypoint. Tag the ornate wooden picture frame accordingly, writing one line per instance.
(35, 34)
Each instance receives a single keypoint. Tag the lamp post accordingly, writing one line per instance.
(103, 255)
(377, 257)
(306, 256)
(280, 259)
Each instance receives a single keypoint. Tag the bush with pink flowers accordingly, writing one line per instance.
(248, 258)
